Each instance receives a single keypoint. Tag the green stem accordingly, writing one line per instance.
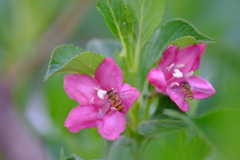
(138, 45)
(149, 102)
(137, 151)
(133, 117)
(146, 113)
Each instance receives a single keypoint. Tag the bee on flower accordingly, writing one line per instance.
(174, 75)
(103, 100)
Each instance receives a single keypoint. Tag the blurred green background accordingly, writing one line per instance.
(32, 113)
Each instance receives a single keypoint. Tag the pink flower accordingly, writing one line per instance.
(175, 69)
(95, 109)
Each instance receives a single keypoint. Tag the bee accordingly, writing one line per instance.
(114, 100)
(187, 89)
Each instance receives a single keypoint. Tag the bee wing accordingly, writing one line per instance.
(195, 90)
(127, 94)
(202, 90)
(105, 107)
(180, 91)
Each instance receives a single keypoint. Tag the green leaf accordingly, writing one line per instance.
(220, 129)
(217, 129)
(178, 32)
(106, 47)
(70, 59)
(196, 144)
(185, 41)
(137, 17)
(147, 15)
(160, 126)
(114, 145)
(160, 123)
(132, 22)
(114, 12)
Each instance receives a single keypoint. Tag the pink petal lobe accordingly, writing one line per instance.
(111, 125)
(128, 95)
(178, 98)
(109, 75)
(84, 116)
(80, 87)
(156, 78)
(168, 57)
(190, 57)
(201, 88)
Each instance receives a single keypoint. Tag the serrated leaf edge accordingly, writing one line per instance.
(47, 76)
(183, 20)
(63, 45)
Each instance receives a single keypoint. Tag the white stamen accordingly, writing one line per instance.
(174, 84)
(170, 67)
(180, 66)
(101, 93)
(189, 74)
(92, 101)
(177, 73)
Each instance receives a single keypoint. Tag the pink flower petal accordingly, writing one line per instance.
(81, 87)
(201, 88)
(128, 95)
(157, 79)
(81, 117)
(111, 125)
(168, 57)
(178, 98)
(190, 57)
(109, 75)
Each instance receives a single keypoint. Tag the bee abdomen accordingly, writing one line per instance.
(118, 105)
(115, 101)
(120, 108)
(190, 95)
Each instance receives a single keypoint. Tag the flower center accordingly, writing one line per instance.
(101, 93)
(175, 80)
(177, 73)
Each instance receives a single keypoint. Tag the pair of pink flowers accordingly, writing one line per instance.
(175, 68)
